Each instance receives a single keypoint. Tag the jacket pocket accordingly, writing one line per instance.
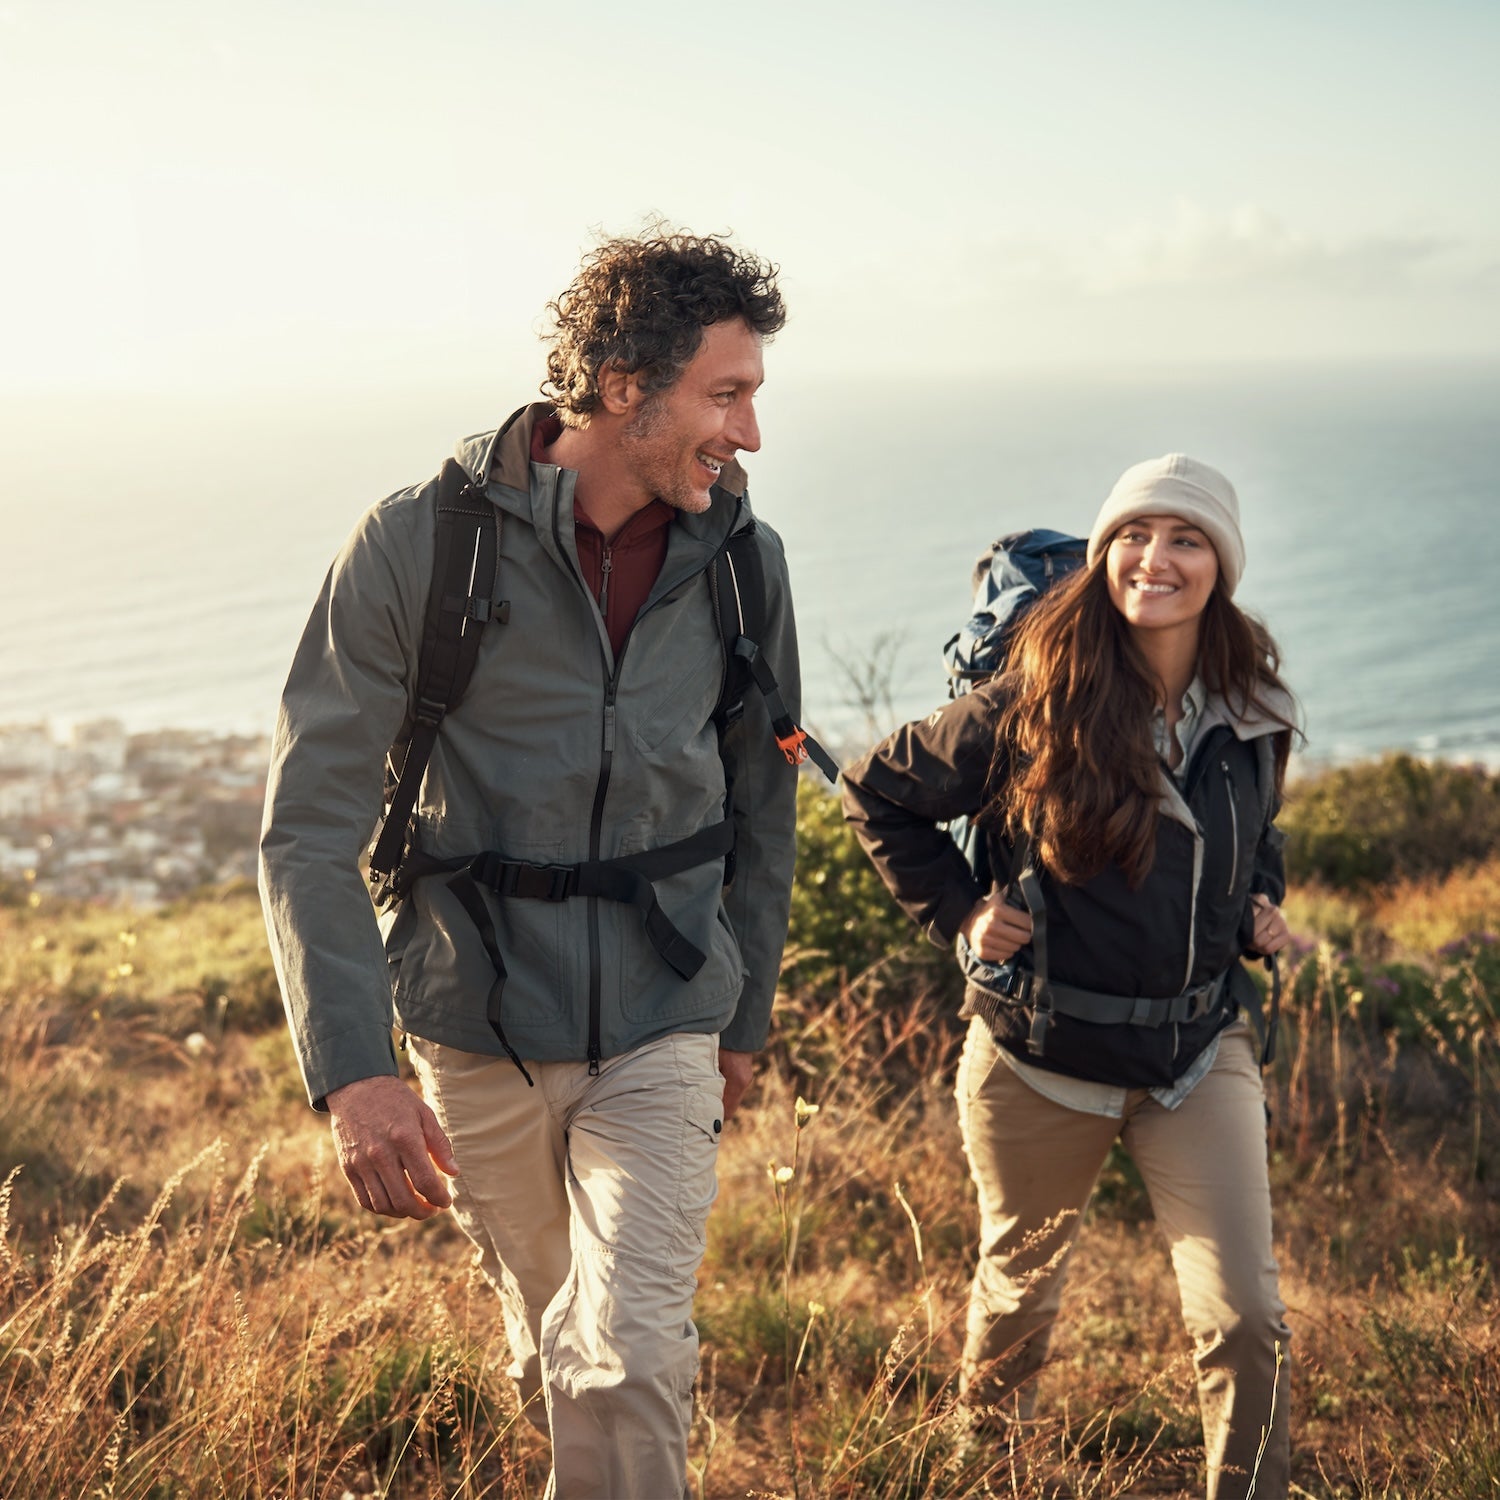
(687, 702)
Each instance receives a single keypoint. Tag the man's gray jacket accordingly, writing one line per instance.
(561, 752)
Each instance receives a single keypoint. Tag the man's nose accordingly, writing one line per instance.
(744, 429)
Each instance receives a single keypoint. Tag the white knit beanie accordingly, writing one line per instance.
(1176, 486)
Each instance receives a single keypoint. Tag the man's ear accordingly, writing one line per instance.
(619, 390)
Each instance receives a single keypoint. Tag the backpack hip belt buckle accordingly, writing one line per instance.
(1202, 1000)
(538, 882)
(1018, 985)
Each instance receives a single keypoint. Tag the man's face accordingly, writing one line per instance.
(678, 440)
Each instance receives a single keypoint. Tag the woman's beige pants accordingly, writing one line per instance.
(587, 1199)
(1204, 1164)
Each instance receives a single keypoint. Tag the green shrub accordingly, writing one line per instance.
(1394, 818)
(843, 919)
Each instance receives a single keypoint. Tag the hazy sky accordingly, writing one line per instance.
(209, 195)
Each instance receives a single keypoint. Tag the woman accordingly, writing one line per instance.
(1124, 770)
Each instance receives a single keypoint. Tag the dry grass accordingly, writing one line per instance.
(1414, 917)
(1425, 915)
(188, 1308)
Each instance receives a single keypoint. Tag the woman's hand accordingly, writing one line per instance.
(1270, 934)
(994, 930)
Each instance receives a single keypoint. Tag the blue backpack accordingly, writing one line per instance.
(1009, 576)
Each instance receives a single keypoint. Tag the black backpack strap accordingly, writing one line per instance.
(737, 580)
(467, 893)
(1029, 890)
(1265, 786)
(460, 602)
(1273, 1012)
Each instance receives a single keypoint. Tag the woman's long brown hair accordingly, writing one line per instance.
(1080, 775)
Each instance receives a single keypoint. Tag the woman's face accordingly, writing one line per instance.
(1160, 570)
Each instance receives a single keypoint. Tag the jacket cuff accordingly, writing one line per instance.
(329, 1062)
(749, 1028)
(956, 904)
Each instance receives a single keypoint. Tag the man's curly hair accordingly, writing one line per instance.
(642, 304)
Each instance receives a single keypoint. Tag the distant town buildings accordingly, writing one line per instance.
(108, 816)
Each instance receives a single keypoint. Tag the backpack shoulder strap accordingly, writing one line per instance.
(460, 602)
(1265, 777)
(737, 580)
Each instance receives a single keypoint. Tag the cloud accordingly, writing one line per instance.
(1245, 248)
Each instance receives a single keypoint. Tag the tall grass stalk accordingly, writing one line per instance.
(1270, 1427)
(786, 1186)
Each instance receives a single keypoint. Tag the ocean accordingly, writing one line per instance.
(161, 554)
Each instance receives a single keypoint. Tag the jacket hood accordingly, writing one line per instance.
(1280, 710)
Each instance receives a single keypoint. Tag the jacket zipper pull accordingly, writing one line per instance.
(606, 567)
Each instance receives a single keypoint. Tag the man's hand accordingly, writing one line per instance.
(1270, 934)
(391, 1148)
(738, 1069)
(996, 931)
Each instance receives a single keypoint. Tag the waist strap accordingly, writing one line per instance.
(1023, 989)
(1046, 997)
(628, 878)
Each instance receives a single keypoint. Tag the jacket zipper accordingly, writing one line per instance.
(1234, 828)
(596, 834)
(606, 567)
(601, 789)
(596, 818)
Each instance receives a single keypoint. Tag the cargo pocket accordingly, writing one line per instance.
(702, 1130)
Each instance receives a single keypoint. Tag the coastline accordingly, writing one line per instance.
(106, 814)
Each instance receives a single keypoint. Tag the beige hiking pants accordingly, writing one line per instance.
(586, 1199)
(1204, 1164)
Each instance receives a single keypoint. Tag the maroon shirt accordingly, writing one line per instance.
(621, 572)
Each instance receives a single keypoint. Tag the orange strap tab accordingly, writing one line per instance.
(794, 746)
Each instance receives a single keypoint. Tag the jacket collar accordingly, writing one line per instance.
(1280, 710)
(500, 463)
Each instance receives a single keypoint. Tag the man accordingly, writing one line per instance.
(582, 1161)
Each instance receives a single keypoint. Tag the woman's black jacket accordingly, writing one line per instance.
(1189, 922)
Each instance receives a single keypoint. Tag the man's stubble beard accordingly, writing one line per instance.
(659, 471)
